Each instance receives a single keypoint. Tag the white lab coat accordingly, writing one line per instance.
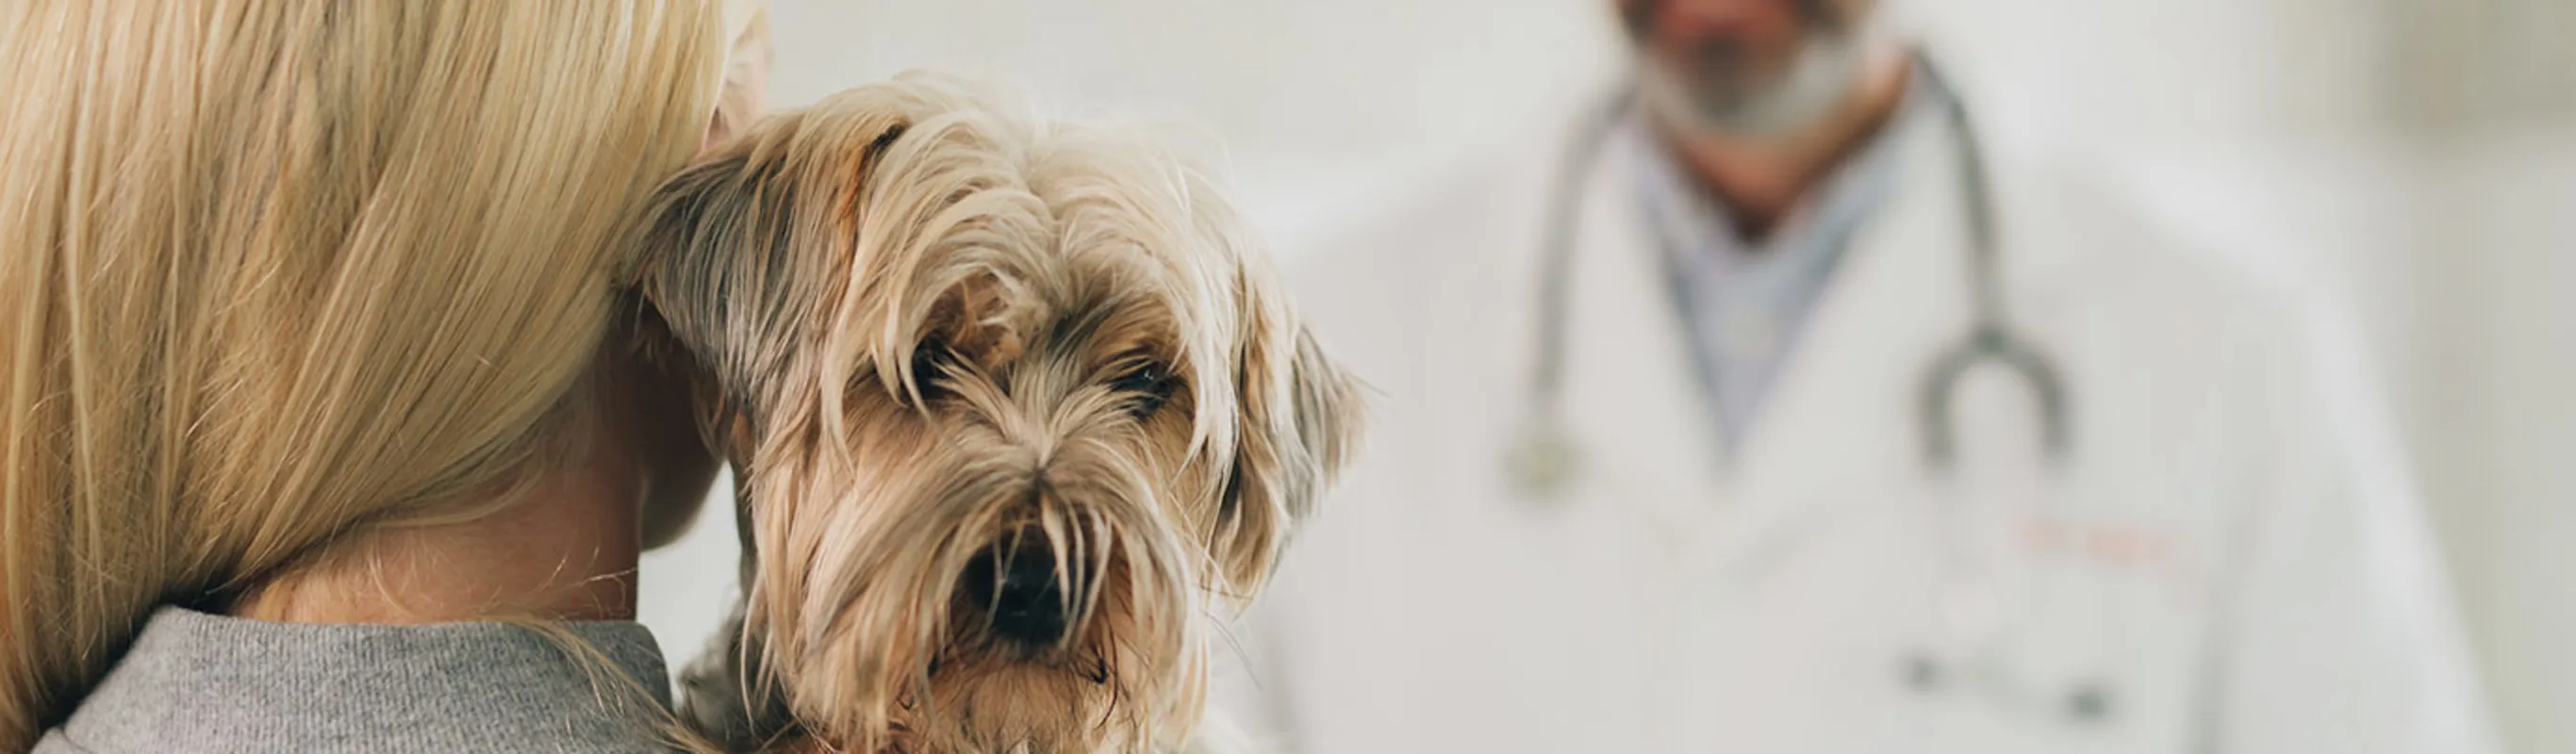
(2234, 551)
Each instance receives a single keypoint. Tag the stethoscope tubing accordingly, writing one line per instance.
(1991, 337)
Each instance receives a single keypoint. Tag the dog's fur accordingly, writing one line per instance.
(938, 333)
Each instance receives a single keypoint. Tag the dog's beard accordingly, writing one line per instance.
(954, 590)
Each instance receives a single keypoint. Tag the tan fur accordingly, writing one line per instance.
(926, 313)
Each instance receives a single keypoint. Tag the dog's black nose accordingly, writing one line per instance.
(1020, 593)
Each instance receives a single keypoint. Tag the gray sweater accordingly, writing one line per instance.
(195, 682)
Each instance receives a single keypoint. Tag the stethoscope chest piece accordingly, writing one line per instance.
(1542, 462)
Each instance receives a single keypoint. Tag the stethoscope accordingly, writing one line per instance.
(1544, 460)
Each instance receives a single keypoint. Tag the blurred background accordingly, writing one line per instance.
(2417, 155)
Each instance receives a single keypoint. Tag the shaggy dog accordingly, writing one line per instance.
(1019, 411)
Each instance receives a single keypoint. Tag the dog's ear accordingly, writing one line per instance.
(717, 249)
(1300, 421)
(702, 251)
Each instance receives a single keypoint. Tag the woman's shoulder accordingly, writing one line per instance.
(199, 682)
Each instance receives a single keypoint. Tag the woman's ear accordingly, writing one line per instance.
(745, 97)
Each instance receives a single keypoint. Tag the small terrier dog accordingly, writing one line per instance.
(1018, 409)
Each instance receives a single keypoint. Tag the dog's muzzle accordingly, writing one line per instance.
(1024, 598)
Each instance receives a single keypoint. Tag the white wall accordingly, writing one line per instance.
(1302, 90)
(2419, 152)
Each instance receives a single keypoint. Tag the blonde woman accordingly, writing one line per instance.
(310, 358)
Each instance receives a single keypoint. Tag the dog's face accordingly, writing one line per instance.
(1018, 408)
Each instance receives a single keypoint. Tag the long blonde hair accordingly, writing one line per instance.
(277, 272)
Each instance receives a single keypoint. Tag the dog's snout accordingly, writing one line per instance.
(1023, 596)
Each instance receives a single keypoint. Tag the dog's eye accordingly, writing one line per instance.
(930, 363)
(1151, 384)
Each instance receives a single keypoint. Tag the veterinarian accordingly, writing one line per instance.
(314, 369)
(1766, 411)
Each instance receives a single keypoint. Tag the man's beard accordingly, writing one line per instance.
(1720, 86)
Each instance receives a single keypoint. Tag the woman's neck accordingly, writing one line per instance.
(563, 546)
(564, 550)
